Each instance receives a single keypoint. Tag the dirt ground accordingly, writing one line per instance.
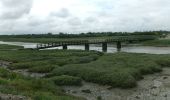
(152, 87)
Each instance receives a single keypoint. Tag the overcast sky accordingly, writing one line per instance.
(42, 16)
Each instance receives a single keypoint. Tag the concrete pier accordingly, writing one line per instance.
(119, 46)
(104, 47)
(87, 47)
(65, 47)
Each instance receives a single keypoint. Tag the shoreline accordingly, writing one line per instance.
(153, 86)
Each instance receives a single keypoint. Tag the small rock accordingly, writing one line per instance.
(74, 91)
(109, 88)
(137, 97)
(153, 87)
(154, 94)
(165, 77)
(165, 95)
(86, 91)
(99, 98)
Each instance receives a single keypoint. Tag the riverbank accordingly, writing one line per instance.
(117, 70)
(91, 69)
(10, 47)
(157, 43)
(18, 86)
(152, 87)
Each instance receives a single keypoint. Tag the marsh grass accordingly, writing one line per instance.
(46, 61)
(159, 43)
(9, 47)
(37, 89)
(117, 70)
(67, 80)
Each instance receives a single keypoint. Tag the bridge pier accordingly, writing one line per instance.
(104, 47)
(119, 46)
(87, 47)
(65, 47)
(130, 41)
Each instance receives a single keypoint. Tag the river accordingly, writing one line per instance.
(132, 48)
(152, 87)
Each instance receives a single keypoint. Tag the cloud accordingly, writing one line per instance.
(13, 9)
(63, 13)
(41, 16)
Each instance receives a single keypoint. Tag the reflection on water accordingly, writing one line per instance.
(111, 48)
(131, 49)
(25, 45)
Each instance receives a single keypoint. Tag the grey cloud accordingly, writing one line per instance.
(75, 21)
(107, 15)
(91, 20)
(13, 9)
(63, 13)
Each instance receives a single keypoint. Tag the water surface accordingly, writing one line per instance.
(111, 48)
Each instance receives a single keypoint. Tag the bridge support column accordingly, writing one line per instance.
(65, 47)
(130, 41)
(119, 46)
(87, 47)
(104, 47)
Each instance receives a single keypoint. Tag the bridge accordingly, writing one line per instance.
(117, 39)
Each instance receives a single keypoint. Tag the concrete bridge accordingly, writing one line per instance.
(117, 39)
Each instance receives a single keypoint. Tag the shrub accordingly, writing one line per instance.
(42, 69)
(163, 62)
(3, 81)
(66, 80)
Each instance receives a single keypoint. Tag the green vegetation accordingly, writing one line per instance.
(47, 38)
(71, 67)
(66, 80)
(161, 43)
(117, 70)
(84, 35)
(36, 89)
(46, 60)
(8, 47)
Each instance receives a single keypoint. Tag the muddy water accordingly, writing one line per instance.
(24, 44)
(135, 48)
(152, 87)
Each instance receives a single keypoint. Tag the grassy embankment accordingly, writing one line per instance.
(163, 42)
(159, 43)
(48, 40)
(36, 89)
(117, 70)
(7, 47)
(71, 67)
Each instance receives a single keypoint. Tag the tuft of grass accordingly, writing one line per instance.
(66, 80)
(36, 89)
(42, 69)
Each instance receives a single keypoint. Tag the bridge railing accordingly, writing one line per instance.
(97, 41)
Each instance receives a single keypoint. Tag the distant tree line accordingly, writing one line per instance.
(88, 34)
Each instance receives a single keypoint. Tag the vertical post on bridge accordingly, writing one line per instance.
(87, 46)
(104, 46)
(64, 47)
(119, 46)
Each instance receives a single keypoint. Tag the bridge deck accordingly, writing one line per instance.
(97, 41)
